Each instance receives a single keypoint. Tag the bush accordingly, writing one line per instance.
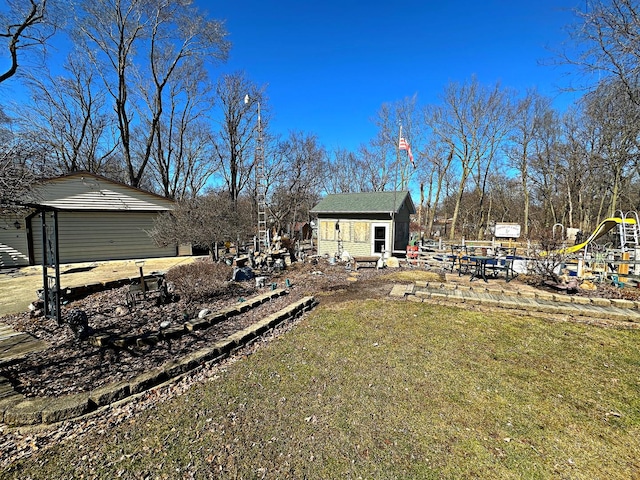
(200, 280)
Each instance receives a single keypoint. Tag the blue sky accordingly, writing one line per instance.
(330, 65)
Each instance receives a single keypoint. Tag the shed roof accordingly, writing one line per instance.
(366, 202)
(87, 191)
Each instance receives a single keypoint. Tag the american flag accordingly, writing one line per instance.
(404, 145)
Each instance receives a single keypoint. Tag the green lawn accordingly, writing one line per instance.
(388, 389)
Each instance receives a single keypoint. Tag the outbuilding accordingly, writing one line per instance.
(98, 219)
(364, 224)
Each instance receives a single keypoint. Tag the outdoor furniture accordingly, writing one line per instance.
(371, 261)
(481, 262)
(460, 257)
(480, 266)
(503, 262)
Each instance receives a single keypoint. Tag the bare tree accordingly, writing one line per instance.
(526, 127)
(181, 155)
(617, 125)
(472, 121)
(27, 25)
(18, 174)
(383, 165)
(68, 115)
(545, 169)
(140, 46)
(298, 182)
(438, 161)
(607, 37)
(234, 144)
(205, 221)
(343, 173)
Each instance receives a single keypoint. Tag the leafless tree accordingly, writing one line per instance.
(384, 165)
(298, 180)
(473, 121)
(438, 157)
(68, 116)
(607, 40)
(343, 173)
(205, 221)
(143, 46)
(545, 167)
(181, 156)
(26, 25)
(235, 142)
(617, 130)
(525, 128)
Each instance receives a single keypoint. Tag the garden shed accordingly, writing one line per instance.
(364, 224)
(98, 219)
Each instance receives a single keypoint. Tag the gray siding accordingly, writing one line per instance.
(13, 243)
(93, 236)
(87, 192)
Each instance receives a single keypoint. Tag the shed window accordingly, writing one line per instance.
(361, 232)
(327, 230)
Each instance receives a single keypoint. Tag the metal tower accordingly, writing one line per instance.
(261, 188)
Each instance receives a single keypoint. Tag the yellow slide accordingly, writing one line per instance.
(602, 229)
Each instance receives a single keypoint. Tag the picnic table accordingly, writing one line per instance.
(497, 261)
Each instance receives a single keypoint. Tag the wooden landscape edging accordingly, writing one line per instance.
(17, 410)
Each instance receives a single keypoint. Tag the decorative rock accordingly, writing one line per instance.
(147, 380)
(27, 412)
(120, 310)
(79, 323)
(204, 312)
(99, 340)
(165, 324)
(192, 325)
(391, 262)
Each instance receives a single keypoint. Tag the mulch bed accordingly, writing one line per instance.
(71, 366)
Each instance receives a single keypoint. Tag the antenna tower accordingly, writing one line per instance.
(261, 189)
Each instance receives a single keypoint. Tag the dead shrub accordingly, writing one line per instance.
(200, 280)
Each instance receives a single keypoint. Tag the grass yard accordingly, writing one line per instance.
(388, 389)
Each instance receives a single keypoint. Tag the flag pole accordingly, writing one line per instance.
(395, 192)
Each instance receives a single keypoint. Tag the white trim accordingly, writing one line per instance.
(386, 226)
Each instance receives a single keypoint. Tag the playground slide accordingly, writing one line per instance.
(602, 229)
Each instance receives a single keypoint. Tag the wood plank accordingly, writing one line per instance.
(15, 345)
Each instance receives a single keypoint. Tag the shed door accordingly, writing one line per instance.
(380, 238)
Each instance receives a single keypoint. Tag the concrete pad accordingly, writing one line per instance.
(398, 291)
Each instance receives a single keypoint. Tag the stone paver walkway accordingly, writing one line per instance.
(613, 309)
